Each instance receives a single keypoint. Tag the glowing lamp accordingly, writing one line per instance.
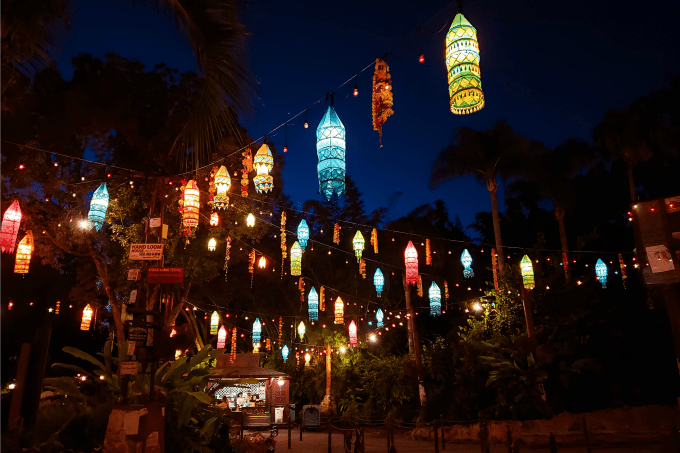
(411, 261)
(421, 58)
(339, 311)
(98, 206)
(222, 338)
(214, 323)
(313, 304)
(262, 263)
(87, 318)
(11, 220)
(352, 334)
(212, 243)
(214, 219)
(296, 259)
(301, 330)
(285, 352)
(330, 151)
(466, 259)
(379, 317)
(24, 252)
(378, 281)
(307, 359)
(263, 163)
(358, 244)
(435, 300)
(257, 331)
(222, 185)
(173, 331)
(303, 234)
(356, 91)
(462, 64)
(527, 273)
(250, 220)
(192, 203)
(601, 272)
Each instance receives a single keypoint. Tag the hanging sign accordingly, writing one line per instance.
(155, 222)
(133, 296)
(129, 367)
(165, 275)
(138, 334)
(146, 251)
(134, 274)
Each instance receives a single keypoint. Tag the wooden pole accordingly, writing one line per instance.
(586, 436)
(330, 428)
(15, 421)
(289, 434)
(35, 375)
(441, 423)
(436, 437)
(387, 430)
(529, 316)
(553, 443)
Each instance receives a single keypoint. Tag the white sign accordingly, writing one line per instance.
(155, 222)
(659, 258)
(134, 274)
(133, 296)
(128, 367)
(146, 251)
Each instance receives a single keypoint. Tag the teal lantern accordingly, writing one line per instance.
(313, 305)
(379, 317)
(435, 300)
(601, 272)
(285, 352)
(303, 234)
(330, 150)
(378, 281)
(466, 259)
(257, 332)
(98, 206)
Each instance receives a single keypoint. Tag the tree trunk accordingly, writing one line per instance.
(416, 349)
(115, 304)
(631, 183)
(492, 187)
(559, 215)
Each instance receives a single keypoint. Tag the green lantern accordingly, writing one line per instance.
(462, 64)
(358, 243)
(527, 273)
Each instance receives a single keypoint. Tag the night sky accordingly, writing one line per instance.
(551, 69)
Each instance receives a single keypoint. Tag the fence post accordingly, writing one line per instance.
(587, 437)
(289, 434)
(436, 437)
(387, 430)
(329, 435)
(508, 438)
(553, 443)
(441, 423)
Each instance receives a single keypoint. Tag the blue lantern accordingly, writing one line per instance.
(98, 206)
(330, 150)
(303, 234)
(313, 305)
(257, 331)
(378, 281)
(466, 259)
(601, 271)
(379, 317)
(435, 300)
(285, 352)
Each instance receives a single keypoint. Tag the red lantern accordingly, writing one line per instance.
(411, 261)
(352, 334)
(11, 221)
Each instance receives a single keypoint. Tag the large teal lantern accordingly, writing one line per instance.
(330, 149)
(303, 234)
(257, 332)
(466, 259)
(379, 317)
(601, 272)
(98, 206)
(313, 305)
(435, 300)
(285, 352)
(378, 281)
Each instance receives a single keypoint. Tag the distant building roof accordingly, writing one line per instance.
(245, 365)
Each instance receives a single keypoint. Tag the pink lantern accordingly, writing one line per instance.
(221, 338)
(11, 221)
(352, 334)
(411, 260)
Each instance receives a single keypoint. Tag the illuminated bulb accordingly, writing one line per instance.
(250, 221)
(280, 382)
(21, 167)
(82, 178)
(306, 124)
(83, 224)
(342, 350)
(356, 91)
(101, 378)
(56, 164)
(262, 263)
(477, 306)
(12, 386)
(285, 148)
(212, 243)
(421, 59)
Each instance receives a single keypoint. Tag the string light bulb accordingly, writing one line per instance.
(212, 244)
(250, 220)
(421, 58)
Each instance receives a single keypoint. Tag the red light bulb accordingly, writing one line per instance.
(285, 148)
(21, 167)
(306, 124)
(356, 91)
(421, 59)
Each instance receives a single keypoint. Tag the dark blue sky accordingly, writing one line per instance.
(551, 69)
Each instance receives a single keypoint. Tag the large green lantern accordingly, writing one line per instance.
(462, 64)
(527, 273)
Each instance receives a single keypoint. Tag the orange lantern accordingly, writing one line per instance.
(192, 203)
(87, 318)
(24, 252)
(339, 311)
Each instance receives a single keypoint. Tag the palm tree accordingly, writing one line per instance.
(489, 155)
(212, 28)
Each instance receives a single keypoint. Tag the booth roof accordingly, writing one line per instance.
(256, 372)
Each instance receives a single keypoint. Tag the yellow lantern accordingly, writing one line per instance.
(192, 203)
(24, 252)
(301, 330)
(307, 359)
(339, 311)
(296, 259)
(214, 219)
(222, 185)
(87, 318)
(250, 220)
(214, 323)
(262, 263)
(212, 243)
(462, 64)
(527, 273)
(263, 162)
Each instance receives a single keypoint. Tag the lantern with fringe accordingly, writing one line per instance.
(462, 64)
(322, 299)
(330, 150)
(303, 234)
(285, 352)
(247, 168)
(222, 186)
(301, 330)
(232, 356)
(192, 203)
(222, 338)
(212, 243)
(98, 206)
(263, 162)
(353, 334)
(339, 311)
(446, 290)
(379, 317)
(378, 281)
(466, 259)
(257, 332)
(227, 256)
(284, 247)
(313, 305)
(11, 220)
(374, 240)
(527, 273)
(601, 272)
(336, 234)
(435, 300)
(301, 288)
(494, 268)
(296, 259)
(24, 252)
(428, 253)
(87, 318)
(420, 286)
(411, 261)
(358, 244)
(362, 269)
(280, 328)
(214, 219)
(382, 96)
(214, 323)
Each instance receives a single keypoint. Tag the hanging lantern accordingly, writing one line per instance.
(336, 234)
(446, 290)
(379, 317)
(428, 253)
(601, 272)
(527, 273)
(251, 265)
(374, 240)
(358, 244)
(284, 247)
(303, 234)
(250, 220)
(322, 299)
(301, 330)
(622, 266)
(462, 64)
(262, 263)
(378, 281)
(494, 268)
(173, 331)
(214, 219)
(268, 344)
(212, 243)
(421, 58)
(307, 358)
(222, 186)
(382, 98)
(339, 311)
(257, 331)
(296, 259)
(214, 323)
(98, 206)
(192, 202)
(284, 352)
(24, 252)
(362, 269)
(87, 318)
(232, 356)
(411, 261)
(313, 305)
(56, 312)
(247, 168)
(466, 259)
(11, 220)
(227, 256)
(263, 162)
(222, 338)
(301, 288)
(330, 150)
(435, 300)
(352, 334)
(565, 265)
(420, 286)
